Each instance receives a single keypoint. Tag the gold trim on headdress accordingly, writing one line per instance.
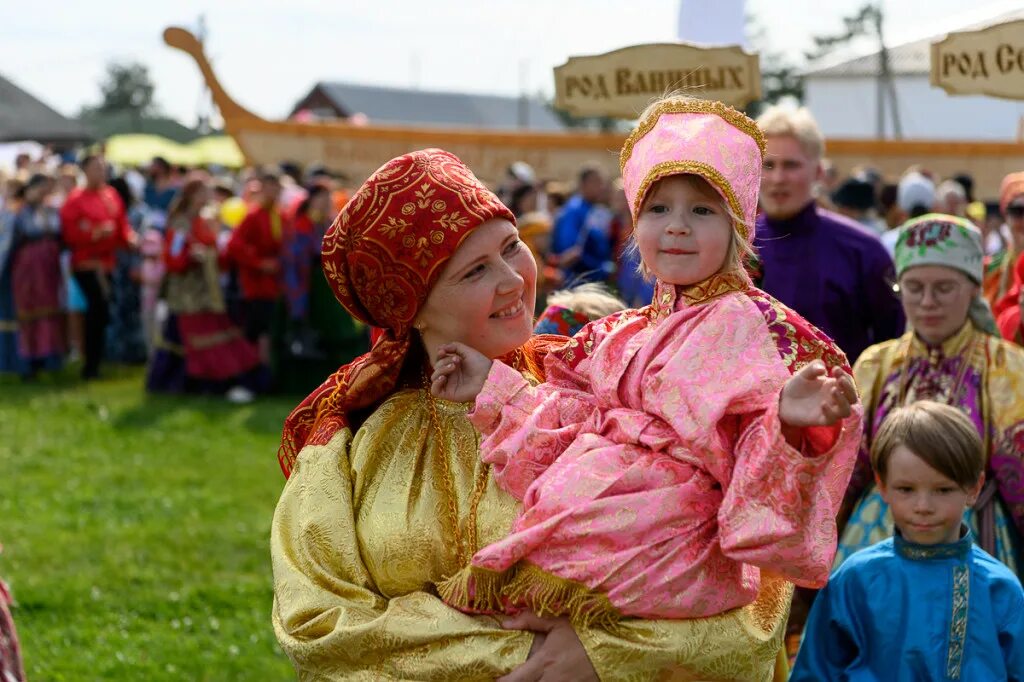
(737, 119)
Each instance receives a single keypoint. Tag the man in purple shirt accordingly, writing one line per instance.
(828, 268)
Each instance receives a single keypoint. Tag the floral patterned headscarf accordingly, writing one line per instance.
(938, 239)
(382, 256)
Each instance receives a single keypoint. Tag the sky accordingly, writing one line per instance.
(268, 53)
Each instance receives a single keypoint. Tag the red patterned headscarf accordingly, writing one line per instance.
(382, 256)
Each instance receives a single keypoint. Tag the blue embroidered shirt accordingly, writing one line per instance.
(905, 612)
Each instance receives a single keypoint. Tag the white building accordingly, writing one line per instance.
(844, 98)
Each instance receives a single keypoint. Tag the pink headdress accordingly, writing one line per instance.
(700, 137)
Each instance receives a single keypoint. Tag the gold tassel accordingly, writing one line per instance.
(549, 595)
(474, 589)
(480, 590)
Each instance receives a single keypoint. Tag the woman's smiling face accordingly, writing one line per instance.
(485, 295)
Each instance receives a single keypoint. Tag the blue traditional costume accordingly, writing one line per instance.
(905, 612)
(10, 359)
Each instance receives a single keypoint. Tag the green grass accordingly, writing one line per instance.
(135, 531)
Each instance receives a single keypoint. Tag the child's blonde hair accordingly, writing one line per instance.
(942, 436)
(590, 299)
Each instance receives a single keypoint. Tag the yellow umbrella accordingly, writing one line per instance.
(137, 150)
(218, 149)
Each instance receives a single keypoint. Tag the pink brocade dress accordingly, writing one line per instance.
(654, 476)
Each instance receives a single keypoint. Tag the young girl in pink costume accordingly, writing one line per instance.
(678, 450)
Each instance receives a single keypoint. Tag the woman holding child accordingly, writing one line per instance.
(388, 496)
(953, 356)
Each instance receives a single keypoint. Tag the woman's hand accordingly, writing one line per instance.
(560, 656)
(459, 372)
(813, 398)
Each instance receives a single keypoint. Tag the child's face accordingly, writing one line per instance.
(926, 506)
(683, 230)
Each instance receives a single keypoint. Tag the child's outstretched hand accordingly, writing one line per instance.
(459, 372)
(812, 397)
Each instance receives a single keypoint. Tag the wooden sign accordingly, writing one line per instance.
(623, 82)
(989, 61)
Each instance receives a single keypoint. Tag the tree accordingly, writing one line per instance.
(867, 22)
(780, 78)
(126, 88)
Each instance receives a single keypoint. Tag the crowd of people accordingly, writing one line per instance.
(779, 380)
(100, 264)
(208, 279)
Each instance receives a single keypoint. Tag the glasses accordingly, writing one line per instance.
(1016, 211)
(914, 292)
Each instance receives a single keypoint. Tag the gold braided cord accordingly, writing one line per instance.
(737, 119)
(465, 545)
(474, 502)
(707, 172)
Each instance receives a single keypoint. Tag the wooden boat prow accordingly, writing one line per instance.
(358, 150)
(181, 39)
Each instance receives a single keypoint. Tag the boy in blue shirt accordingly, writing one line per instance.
(926, 604)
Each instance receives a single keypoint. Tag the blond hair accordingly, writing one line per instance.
(590, 299)
(779, 121)
(942, 436)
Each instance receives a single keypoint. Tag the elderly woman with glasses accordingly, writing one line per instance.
(952, 354)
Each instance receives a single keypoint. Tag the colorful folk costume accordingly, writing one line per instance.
(834, 272)
(560, 320)
(255, 248)
(94, 226)
(126, 339)
(200, 349)
(314, 336)
(1008, 310)
(11, 361)
(11, 669)
(387, 494)
(905, 612)
(654, 475)
(38, 286)
(974, 370)
(999, 268)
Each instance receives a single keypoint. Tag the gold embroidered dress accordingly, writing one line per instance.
(362, 533)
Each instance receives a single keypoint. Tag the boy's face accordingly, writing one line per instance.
(926, 506)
